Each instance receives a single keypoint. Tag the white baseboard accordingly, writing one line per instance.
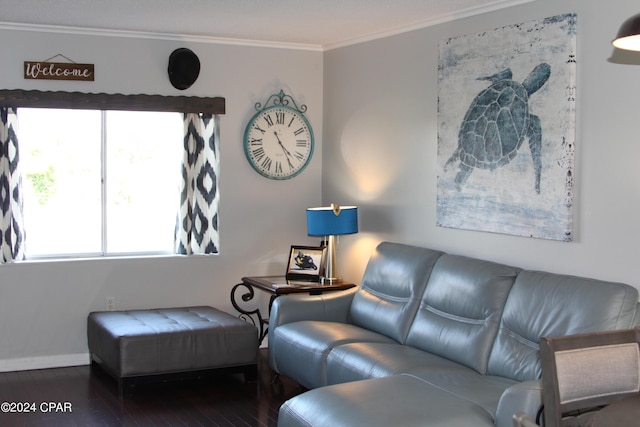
(44, 362)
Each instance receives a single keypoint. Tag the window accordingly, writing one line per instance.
(99, 182)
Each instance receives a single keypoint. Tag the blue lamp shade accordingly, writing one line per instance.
(332, 221)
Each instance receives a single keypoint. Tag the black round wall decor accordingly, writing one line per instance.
(184, 68)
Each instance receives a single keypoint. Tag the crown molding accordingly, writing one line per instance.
(85, 31)
(194, 38)
(441, 19)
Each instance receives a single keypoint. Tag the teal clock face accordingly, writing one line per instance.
(278, 142)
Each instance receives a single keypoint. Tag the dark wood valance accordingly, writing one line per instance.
(103, 101)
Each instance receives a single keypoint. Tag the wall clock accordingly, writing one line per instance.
(278, 140)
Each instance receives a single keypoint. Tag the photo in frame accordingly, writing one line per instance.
(306, 263)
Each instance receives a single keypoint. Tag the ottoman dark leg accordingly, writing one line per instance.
(251, 373)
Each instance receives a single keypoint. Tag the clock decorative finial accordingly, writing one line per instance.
(280, 99)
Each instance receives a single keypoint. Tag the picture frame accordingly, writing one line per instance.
(306, 263)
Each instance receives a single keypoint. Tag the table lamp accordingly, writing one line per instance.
(330, 222)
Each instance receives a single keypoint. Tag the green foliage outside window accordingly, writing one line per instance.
(44, 184)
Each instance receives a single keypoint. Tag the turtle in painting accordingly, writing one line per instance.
(497, 123)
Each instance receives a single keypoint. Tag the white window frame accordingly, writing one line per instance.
(104, 215)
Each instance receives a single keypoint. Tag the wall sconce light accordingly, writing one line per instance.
(628, 37)
(329, 222)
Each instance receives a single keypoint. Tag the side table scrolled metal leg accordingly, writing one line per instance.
(254, 316)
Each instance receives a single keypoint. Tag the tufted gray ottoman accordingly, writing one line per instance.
(137, 343)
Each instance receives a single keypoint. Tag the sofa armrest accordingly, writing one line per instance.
(328, 307)
(523, 397)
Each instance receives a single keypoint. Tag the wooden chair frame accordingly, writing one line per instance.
(554, 408)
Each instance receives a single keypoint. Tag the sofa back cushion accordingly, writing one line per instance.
(460, 310)
(391, 288)
(547, 305)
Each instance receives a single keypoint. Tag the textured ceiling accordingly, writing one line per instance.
(319, 23)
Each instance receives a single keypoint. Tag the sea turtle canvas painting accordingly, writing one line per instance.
(497, 122)
(506, 130)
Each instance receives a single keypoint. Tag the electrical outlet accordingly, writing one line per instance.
(110, 303)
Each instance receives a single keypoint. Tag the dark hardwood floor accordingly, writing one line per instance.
(87, 396)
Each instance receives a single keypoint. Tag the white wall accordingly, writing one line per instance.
(44, 305)
(380, 149)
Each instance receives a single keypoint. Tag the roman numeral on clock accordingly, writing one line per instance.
(266, 163)
(258, 153)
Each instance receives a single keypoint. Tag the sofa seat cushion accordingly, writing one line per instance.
(483, 390)
(303, 347)
(359, 361)
(400, 400)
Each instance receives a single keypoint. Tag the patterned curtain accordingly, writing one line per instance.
(11, 223)
(197, 223)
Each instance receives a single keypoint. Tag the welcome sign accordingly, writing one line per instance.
(42, 70)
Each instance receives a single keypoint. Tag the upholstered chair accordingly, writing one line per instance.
(583, 373)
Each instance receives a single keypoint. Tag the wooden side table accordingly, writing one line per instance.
(276, 286)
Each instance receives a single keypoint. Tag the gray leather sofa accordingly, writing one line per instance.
(432, 339)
